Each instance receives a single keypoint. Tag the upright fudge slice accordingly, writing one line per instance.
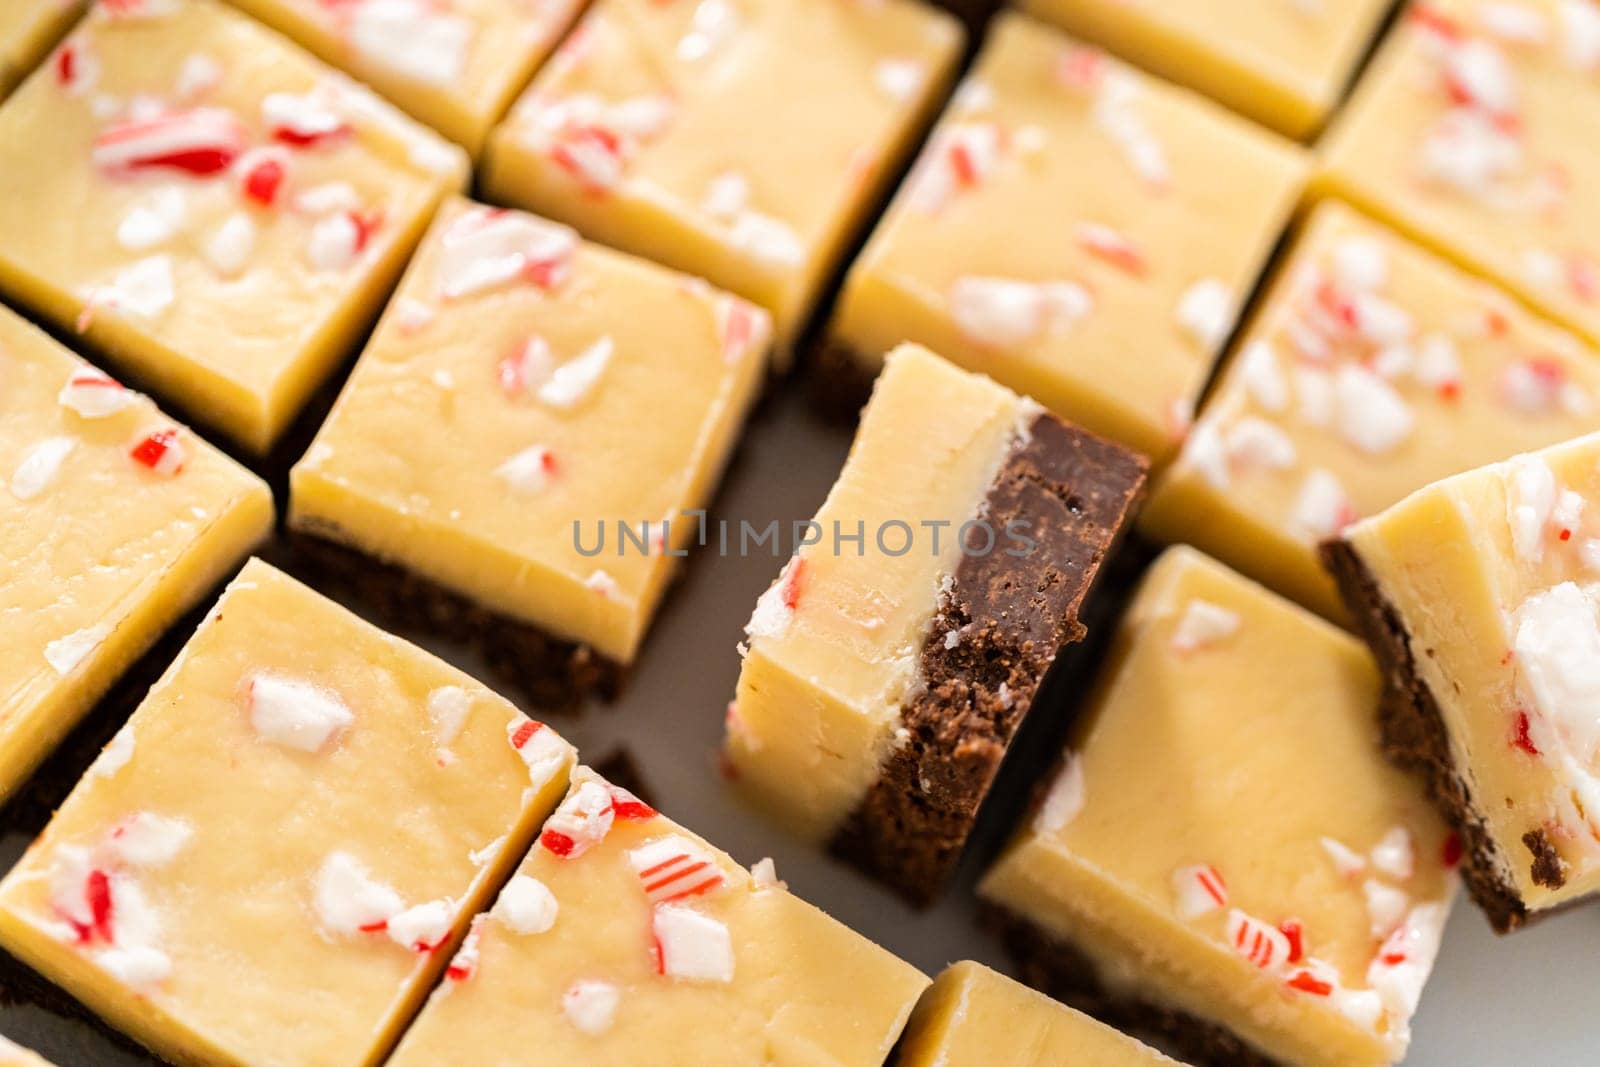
(114, 521)
(624, 939)
(1478, 131)
(524, 398)
(1284, 63)
(1081, 232)
(212, 208)
(973, 1017)
(1371, 369)
(454, 64)
(743, 141)
(29, 29)
(306, 810)
(1478, 594)
(885, 678)
(1225, 855)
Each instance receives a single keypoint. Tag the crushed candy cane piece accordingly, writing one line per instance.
(412, 37)
(690, 945)
(1199, 890)
(591, 1006)
(1394, 854)
(116, 755)
(464, 964)
(573, 380)
(146, 839)
(1004, 313)
(1529, 502)
(163, 451)
(1263, 377)
(1321, 508)
(1386, 906)
(900, 78)
(764, 872)
(1261, 943)
(581, 822)
(1112, 246)
(40, 466)
(65, 653)
(1203, 623)
(302, 120)
(529, 471)
(294, 713)
(94, 394)
(541, 748)
(526, 906)
(1371, 414)
(672, 868)
(1065, 800)
(447, 708)
(230, 247)
(485, 249)
(775, 608)
(348, 900)
(1206, 312)
(1401, 965)
(422, 927)
(1346, 860)
(201, 142)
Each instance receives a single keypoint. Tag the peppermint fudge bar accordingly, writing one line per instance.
(29, 29)
(1284, 63)
(1475, 131)
(1080, 232)
(652, 130)
(974, 1017)
(1224, 855)
(453, 64)
(1370, 369)
(211, 208)
(885, 678)
(501, 462)
(1478, 595)
(382, 794)
(625, 939)
(114, 522)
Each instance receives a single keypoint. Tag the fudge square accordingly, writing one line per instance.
(210, 207)
(1080, 232)
(454, 64)
(743, 141)
(1478, 594)
(304, 807)
(1371, 369)
(507, 416)
(28, 29)
(884, 680)
(14, 1055)
(974, 1017)
(1285, 64)
(1225, 854)
(114, 521)
(625, 939)
(1475, 130)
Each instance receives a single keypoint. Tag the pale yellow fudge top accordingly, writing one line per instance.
(624, 939)
(114, 520)
(454, 64)
(216, 210)
(305, 808)
(1475, 130)
(1281, 62)
(1222, 802)
(1371, 369)
(1081, 232)
(14, 1055)
(974, 1017)
(1493, 574)
(27, 30)
(834, 643)
(739, 140)
(523, 395)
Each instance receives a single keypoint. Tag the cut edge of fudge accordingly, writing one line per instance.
(1079, 491)
(1414, 736)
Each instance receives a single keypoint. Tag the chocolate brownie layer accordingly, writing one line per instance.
(1058, 969)
(1009, 616)
(1414, 736)
(554, 673)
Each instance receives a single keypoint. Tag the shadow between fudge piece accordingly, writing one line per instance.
(304, 807)
(1225, 855)
(884, 679)
(975, 1017)
(743, 143)
(524, 398)
(455, 66)
(29, 29)
(625, 939)
(1077, 230)
(1478, 595)
(1370, 369)
(215, 211)
(114, 522)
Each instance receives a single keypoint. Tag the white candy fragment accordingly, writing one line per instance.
(581, 822)
(144, 288)
(348, 900)
(139, 967)
(423, 927)
(149, 840)
(900, 78)
(541, 748)
(775, 608)
(1386, 906)
(692, 946)
(1206, 311)
(528, 471)
(1372, 416)
(1321, 509)
(1530, 499)
(115, 755)
(1064, 802)
(40, 466)
(1402, 964)
(484, 250)
(1198, 890)
(295, 714)
(1394, 854)
(591, 1006)
(335, 242)
(1203, 623)
(1346, 860)
(526, 906)
(1263, 377)
(94, 394)
(1261, 943)
(447, 708)
(412, 37)
(1556, 644)
(573, 380)
(1005, 313)
(229, 248)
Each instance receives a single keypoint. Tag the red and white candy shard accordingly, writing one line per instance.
(530, 470)
(201, 142)
(348, 900)
(581, 822)
(294, 713)
(741, 326)
(601, 582)
(1261, 943)
(447, 709)
(65, 653)
(672, 868)
(572, 381)
(1005, 313)
(1400, 968)
(1346, 860)
(591, 1006)
(1198, 890)
(1530, 500)
(1064, 802)
(148, 840)
(485, 249)
(261, 173)
(1117, 114)
(144, 288)
(464, 964)
(529, 365)
(961, 157)
(541, 748)
(628, 807)
(526, 906)
(162, 451)
(1321, 508)
(775, 608)
(422, 927)
(412, 37)
(302, 120)
(105, 911)
(1203, 624)
(40, 466)
(691, 946)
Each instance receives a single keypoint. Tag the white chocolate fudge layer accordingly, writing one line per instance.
(974, 1017)
(305, 808)
(1281, 62)
(210, 207)
(1490, 577)
(14, 1055)
(454, 64)
(1080, 232)
(1475, 130)
(1225, 839)
(114, 521)
(28, 29)
(624, 939)
(508, 414)
(742, 141)
(1371, 369)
